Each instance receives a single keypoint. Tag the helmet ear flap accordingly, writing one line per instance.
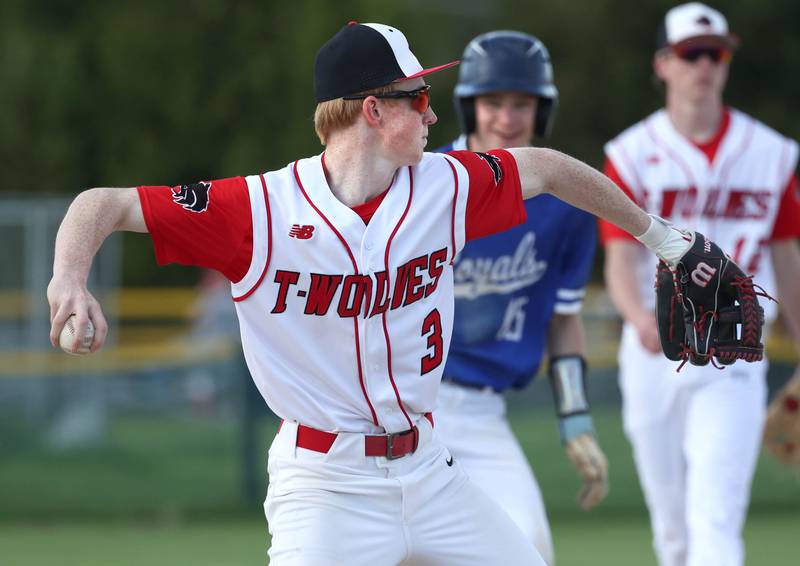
(465, 110)
(545, 116)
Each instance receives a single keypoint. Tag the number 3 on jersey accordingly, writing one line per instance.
(432, 328)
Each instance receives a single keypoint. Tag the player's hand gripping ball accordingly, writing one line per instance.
(702, 303)
(67, 337)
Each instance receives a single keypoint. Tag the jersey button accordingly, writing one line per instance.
(368, 245)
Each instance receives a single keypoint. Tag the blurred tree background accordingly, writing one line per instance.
(165, 92)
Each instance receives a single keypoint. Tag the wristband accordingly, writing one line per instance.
(568, 379)
(575, 425)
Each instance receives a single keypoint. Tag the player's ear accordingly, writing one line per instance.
(372, 111)
(659, 64)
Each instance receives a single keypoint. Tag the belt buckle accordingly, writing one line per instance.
(390, 455)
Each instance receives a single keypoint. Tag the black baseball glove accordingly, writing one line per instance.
(707, 308)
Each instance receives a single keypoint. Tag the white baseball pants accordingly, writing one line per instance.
(342, 507)
(472, 424)
(697, 458)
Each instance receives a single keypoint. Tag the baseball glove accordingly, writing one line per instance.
(707, 309)
(782, 429)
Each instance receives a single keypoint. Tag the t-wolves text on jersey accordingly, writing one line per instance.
(362, 295)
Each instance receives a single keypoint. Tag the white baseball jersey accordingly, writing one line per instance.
(741, 199)
(739, 189)
(345, 326)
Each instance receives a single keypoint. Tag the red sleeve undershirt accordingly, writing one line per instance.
(787, 223)
(494, 202)
(218, 237)
(609, 231)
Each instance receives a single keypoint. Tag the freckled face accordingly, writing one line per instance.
(405, 131)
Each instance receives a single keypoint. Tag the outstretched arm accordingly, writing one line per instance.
(548, 171)
(91, 218)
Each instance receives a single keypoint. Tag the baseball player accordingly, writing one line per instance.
(695, 434)
(517, 293)
(340, 269)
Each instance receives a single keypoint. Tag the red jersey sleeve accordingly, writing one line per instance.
(609, 231)
(495, 200)
(787, 224)
(207, 224)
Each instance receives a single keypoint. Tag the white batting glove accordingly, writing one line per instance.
(666, 241)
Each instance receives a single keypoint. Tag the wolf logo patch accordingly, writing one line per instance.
(194, 197)
(494, 164)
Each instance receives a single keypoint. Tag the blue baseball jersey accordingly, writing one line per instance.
(509, 285)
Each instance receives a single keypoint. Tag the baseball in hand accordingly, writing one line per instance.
(67, 337)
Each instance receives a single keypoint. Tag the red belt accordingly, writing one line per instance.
(391, 446)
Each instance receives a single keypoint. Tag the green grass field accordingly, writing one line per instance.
(166, 491)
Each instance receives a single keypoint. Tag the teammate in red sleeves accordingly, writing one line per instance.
(341, 272)
(695, 435)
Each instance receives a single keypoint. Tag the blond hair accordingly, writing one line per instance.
(340, 113)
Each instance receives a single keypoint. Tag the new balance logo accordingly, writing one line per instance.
(703, 274)
(303, 232)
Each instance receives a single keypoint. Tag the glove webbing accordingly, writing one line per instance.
(751, 325)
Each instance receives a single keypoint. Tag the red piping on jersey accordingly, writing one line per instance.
(453, 213)
(269, 241)
(725, 170)
(637, 179)
(356, 270)
(389, 284)
(676, 158)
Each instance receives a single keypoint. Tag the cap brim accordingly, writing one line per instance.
(730, 41)
(424, 72)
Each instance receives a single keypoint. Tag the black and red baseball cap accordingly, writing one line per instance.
(362, 57)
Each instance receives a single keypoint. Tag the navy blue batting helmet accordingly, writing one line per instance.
(506, 61)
